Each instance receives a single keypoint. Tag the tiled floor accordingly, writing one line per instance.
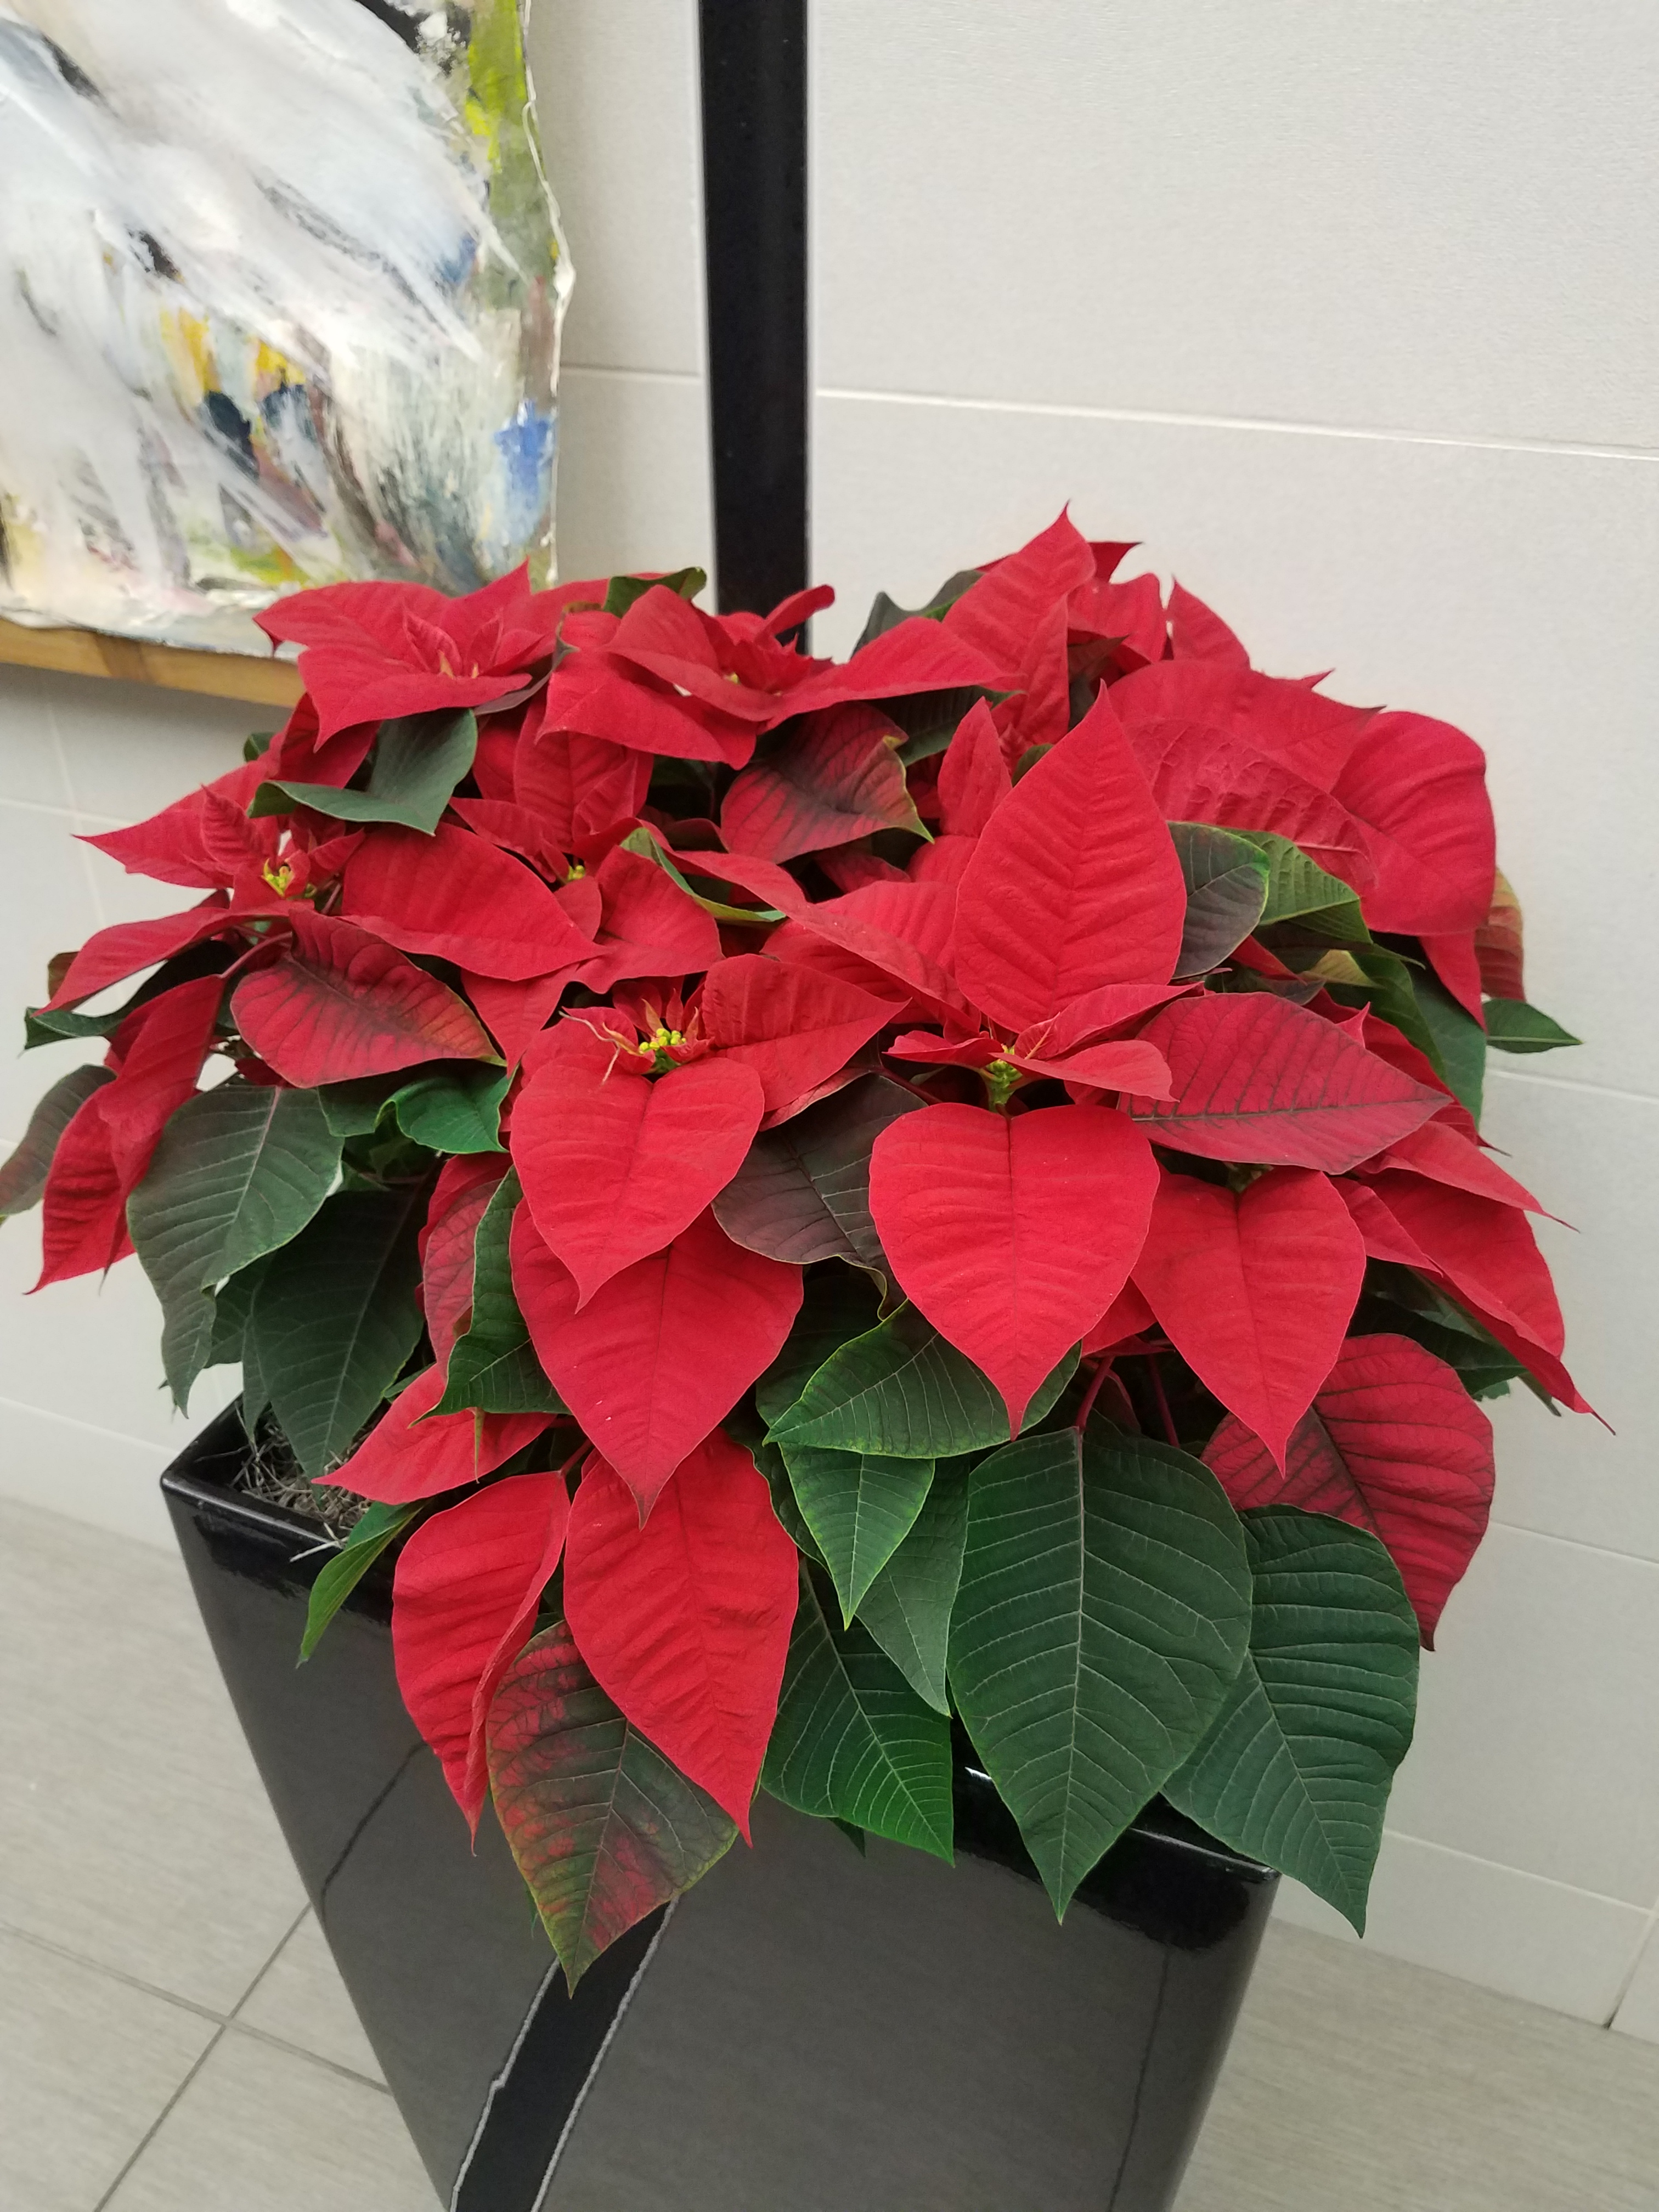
(173, 2037)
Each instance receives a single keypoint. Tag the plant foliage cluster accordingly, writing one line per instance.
(825, 1203)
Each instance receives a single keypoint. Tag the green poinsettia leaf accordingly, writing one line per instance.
(853, 1742)
(902, 1392)
(1297, 1767)
(239, 1172)
(929, 720)
(233, 1302)
(603, 1828)
(1297, 885)
(906, 1607)
(887, 614)
(859, 1508)
(1514, 1026)
(418, 761)
(837, 1305)
(1103, 1613)
(334, 1320)
(493, 1367)
(1227, 881)
(455, 1108)
(380, 1526)
(23, 1177)
(1459, 1040)
(623, 591)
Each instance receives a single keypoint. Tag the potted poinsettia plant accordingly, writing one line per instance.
(868, 1231)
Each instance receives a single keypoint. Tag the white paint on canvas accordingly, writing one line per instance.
(280, 289)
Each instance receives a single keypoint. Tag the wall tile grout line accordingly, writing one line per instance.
(1504, 1866)
(1576, 1543)
(1158, 418)
(1572, 1082)
(632, 375)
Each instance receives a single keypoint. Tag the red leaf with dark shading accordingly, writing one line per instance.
(1444, 1154)
(465, 1185)
(1256, 1078)
(1254, 1289)
(792, 1027)
(125, 947)
(1000, 612)
(457, 897)
(833, 776)
(973, 776)
(406, 1456)
(979, 1214)
(685, 1621)
(24, 1172)
(342, 1004)
(1075, 883)
(1394, 1444)
(1484, 1247)
(603, 1828)
(1499, 945)
(615, 1165)
(83, 1228)
(661, 1352)
(1457, 964)
(1419, 787)
(575, 786)
(905, 930)
(650, 925)
(1199, 774)
(803, 1194)
(1128, 1316)
(917, 655)
(464, 1601)
(160, 1048)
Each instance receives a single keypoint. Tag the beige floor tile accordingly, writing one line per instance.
(301, 1998)
(1360, 2084)
(263, 2129)
(133, 1829)
(87, 2066)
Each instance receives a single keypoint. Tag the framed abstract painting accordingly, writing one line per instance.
(281, 287)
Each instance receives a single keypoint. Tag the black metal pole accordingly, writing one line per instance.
(754, 167)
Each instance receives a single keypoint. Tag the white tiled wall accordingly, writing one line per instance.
(1348, 311)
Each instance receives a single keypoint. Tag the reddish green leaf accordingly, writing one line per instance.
(616, 1164)
(160, 1049)
(1256, 1078)
(23, 1177)
(831, 777)
(685, 1621)
(1497, 944)
(83, 1228)
(343, 1005)
(794, 1027)
(979, 1212)
(803, 1194)
(1075, 883)
(1254, 1289)
(1199, 774)
(660, 1352)
(122, 950)
(603, 1828)
(1394, 1445)
(458, 898)
(468, 1583)
(463, 1188)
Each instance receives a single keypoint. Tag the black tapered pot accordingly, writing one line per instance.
(809, 2030)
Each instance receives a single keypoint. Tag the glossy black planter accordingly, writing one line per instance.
(808, 2030)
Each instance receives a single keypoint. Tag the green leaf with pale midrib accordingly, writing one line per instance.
(853, 1742)
(239, 1172)
(418, 761)
(335, 1320)
(378, 1527)
(902, 1391)
(860, 1507)
(1512, 1025)
(492, 1367)
(1297, 1766)
(907, 1608)
(1104, 1612)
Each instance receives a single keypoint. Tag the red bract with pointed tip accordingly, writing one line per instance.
(752, 1046)
(685, 1620)
(979, 1213)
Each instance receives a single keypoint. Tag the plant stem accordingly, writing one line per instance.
(1095, 1383)
(1164, 1412)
